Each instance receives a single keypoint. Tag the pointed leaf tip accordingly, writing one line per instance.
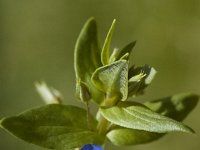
(87, 58)
(141, 118)
(87, 51)
(53, 126)
(105, 54)
(127, 49)
(177, 106)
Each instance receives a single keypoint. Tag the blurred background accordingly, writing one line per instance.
(37, 41)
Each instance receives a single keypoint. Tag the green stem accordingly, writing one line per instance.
(104, 124)
(88, 116)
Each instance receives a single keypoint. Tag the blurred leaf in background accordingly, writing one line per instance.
(37, 41)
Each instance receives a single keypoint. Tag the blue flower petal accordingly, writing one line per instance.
(91, 147)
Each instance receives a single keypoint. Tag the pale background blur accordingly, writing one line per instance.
(37, 39)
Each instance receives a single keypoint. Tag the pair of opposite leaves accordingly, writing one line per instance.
(64, 127)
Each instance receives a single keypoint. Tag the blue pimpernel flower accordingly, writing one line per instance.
(91, 147)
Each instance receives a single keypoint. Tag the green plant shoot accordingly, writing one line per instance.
(105, 78)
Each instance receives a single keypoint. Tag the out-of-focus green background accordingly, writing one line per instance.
(37, 39)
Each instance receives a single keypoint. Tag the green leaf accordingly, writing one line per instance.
(113, 81)
(123, 53)
(105, 54)
(140, 117)
(114, 55)
(87, 52)
(120, 136)
(125, 56)
(53, 126)
(127, 49)
(87, 58)
(176, 107)
(139, 79)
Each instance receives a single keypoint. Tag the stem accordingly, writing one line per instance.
(104, 124)
(88, 116)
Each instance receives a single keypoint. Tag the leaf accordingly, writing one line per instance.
(87, 58)
(123, 53)
(87, 52)
(53, 126)
(112, 80)
(139, 79)
(125, 56)
(105, 54)
(123, 136)
(114, 55)
(127, 49)
(176, 107)
(140, 117)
